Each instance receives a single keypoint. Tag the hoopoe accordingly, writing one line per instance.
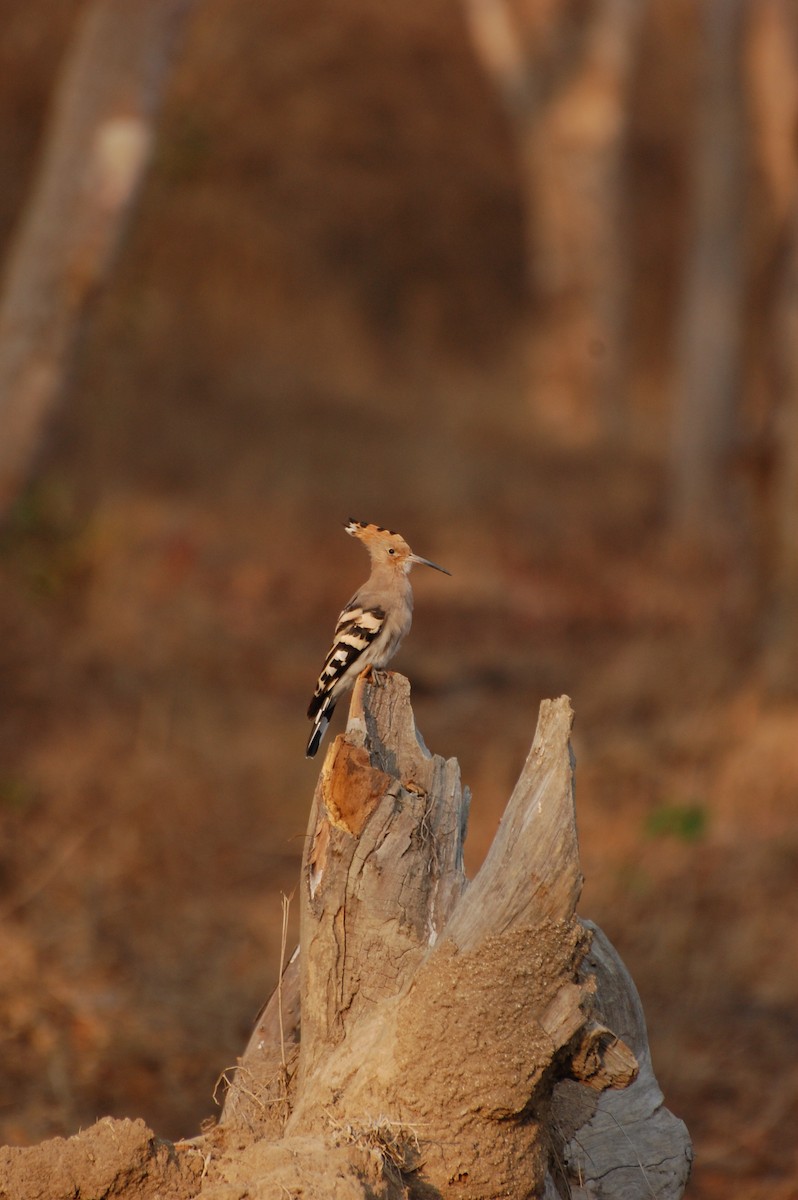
(371, 627)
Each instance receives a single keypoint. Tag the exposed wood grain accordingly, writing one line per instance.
(532, 868)
(389, 816)
(620, 1145)
(455, 1020)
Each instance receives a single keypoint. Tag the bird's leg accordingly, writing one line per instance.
(374, 675)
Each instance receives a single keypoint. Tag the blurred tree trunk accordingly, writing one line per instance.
(709, 349)
(563, 71)
(780, 137)
(97, 149)
(781, 633)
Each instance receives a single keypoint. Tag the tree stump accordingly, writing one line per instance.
(459, 1039)
(433, 1037)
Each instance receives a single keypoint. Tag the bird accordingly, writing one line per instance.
(371, 626)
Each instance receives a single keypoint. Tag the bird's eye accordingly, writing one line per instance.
(391, 550)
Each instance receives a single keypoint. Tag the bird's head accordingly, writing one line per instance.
(387, 547)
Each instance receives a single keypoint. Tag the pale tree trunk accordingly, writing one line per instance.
(781, 619)
(433, 1036)
(773, 67)
(709, 352)
(96, 152)
(563, 72)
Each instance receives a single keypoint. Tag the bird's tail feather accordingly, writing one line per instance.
(319, 730)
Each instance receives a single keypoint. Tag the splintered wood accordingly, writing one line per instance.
(496, 1035)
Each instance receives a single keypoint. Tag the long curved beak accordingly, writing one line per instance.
(425, 562)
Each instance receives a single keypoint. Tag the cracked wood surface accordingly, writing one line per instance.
(469, 1017)
(379, 881)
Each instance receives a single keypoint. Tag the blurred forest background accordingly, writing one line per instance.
(518, 278)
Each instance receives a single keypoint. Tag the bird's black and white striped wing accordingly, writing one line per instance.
(355, 646)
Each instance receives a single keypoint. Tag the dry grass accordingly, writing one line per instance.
(396, 1144)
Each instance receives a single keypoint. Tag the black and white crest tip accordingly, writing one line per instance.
(356, 528)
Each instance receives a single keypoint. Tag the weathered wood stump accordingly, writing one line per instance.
(440, 1037)
(434, 1037)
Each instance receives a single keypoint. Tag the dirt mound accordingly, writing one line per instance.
(111, 1159)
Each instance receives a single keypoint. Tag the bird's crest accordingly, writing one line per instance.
(386, 546)
(365, 529)
(378, 540)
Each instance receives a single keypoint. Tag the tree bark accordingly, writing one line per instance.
(618, 1145)
(449, 1022)
(781, 618)
(97, 149)
(707, 387)
(776, 88)
(562, 71)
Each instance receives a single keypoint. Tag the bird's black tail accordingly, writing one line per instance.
(321, 720)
